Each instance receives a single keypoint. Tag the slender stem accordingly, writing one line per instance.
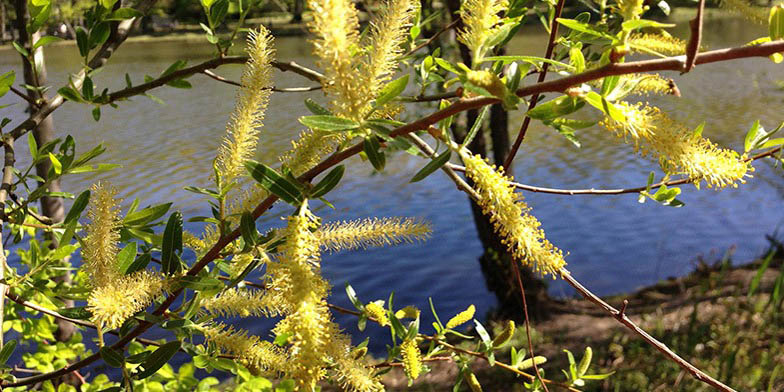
(433, 38)
(24, 96)
(623, 319)
(527, 322)
(696, 37)
(8, 176)
(421, 124)
(221, 79)
(542, 75)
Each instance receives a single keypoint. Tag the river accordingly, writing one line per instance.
(614, 243)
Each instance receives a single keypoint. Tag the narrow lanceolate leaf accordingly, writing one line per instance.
(158, 358)
(248, 229)
(112, 357)
(776, 22)
(328, 123)
(126, 256)
(147, 215)
(6, 351)
(316, 108)
(392, 90)
(273, 182)
(329, 182)
(432, 166)
(172, 242)
(78, 206)
(374, 153)
(555, 108)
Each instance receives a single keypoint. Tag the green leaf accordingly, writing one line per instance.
(99, 34)
(82, 41)
(20, 49)
(328, 123)
(373, 151)
(248, 229)
(45, 40)
(180, 83)
(752, 136)
(88, 88)
(583, 28)
(172, 242)
(123, 13)
(78, 206)
(585, 362)
(6, 351)
(158, 358)
(76, 312)
(32, 146)
(203, 284)
(273, 182)
(555, 108)
(605, 106)
(631, 25)
(126, 257)
(609, 83)
(70, 94)
(327, 183)
(776, 22)
(760, 272)
(112, 357)
(96, 113)
(139, 264)
(56, 165)
(39, 13)
(316, 108)
(432, 166)
(6, 81)
(448, 66)
(475, 127)
(392, 90)
(147, 215)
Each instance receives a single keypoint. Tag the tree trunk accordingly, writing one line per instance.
(299, 7)
(51, 207)
(3, 21)
(496, 262)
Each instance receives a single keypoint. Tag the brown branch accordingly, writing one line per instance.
(421, 124)
(433, 38)
(592, 191)
(623, 319)
(535, 97)
(429, 98)
(24, 96)
(696, 37)
(665, 64)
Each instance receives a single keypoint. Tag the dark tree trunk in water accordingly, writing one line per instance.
(299, 7)
(496, 262)
(51, 207)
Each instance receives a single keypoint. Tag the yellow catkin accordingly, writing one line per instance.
(505, 335)
(461, 318)
(100, 244)
(259, 356)
(658, 43)
(677, 149)
(407, 312)
(412, 358)
(376, 311)
(337, 236)
(243, 303)
(387, 34)
(480, 20)
(510, 215)
(353, 374)
(746, 9)
(309, 149)
(122, 297)
(631, 9)
(239, 144)
(653, 84)
(315, 340)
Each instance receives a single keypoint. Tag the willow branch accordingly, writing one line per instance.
(459, 182)
(623, 319)
(433, 38)
(5, 188)
(459, 106)
(221, 79)
(24, 96)
(696, 37)
(542, 75)
(592, 191)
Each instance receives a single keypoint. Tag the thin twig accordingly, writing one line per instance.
(459, 106)
(26, 97)
(527, 322)
(433, 38)
(459, 182)
(221, 79)
(542, 75)
(5, 188)
(623, 319)
(592, 191)
(695, 40)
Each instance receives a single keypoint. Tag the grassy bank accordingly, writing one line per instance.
(726, 320)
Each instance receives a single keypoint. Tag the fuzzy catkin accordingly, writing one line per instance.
(364, 233)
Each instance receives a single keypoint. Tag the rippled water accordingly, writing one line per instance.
(614, 243)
